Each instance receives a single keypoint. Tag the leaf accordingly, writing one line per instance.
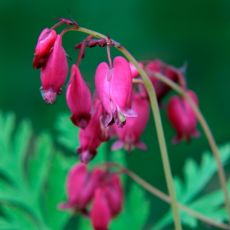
(32, 178)
(136, 210)
(55, 191)
(67, 132)
(39, 163)
(196, 178)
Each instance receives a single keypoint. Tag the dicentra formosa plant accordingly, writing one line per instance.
(119, 108)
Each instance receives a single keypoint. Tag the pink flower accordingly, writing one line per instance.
(107, 202)
(81, 186)
(114, 89)
(97, 194)
(100, 214)
(54, 73)
(129, 135)
(157, 66)
(92, 136)
(44, 47)
(182, 117)
(78, 98)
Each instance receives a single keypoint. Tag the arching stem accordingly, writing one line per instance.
(156, 115)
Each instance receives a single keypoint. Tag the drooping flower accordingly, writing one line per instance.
(44, 47)
(182, 117)
(129, 135)
(157, 66)
(54, 73)
(78, 98)
(81, 186)
(114, 89)
(92, 136)
(97, 194)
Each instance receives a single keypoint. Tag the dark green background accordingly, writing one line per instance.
(196, 32)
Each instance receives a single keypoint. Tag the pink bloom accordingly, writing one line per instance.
(129, 135)
(114, 89)
(157, 66)
(44, 47)
(54, 73)
(78, 98)
(100, 188)
(100, 214)
(107, 202)
(182, 117)
(81, 186)
(92, 136)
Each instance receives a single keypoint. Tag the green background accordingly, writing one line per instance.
(196, 32)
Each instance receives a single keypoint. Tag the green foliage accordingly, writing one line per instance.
(196, 178)
(32, 178)
(32, 182)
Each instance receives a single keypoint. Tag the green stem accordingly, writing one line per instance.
(153, 190)
(208, 134)
(160, 133)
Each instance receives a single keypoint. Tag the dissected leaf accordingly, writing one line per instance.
(32, 178)
(196, 178)
(136, 210)
(55, 191)
(67, 133)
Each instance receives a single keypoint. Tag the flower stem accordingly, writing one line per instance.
(160, 133)
(153, 190)
(208, 134)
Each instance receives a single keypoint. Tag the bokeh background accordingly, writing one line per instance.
(193, 32)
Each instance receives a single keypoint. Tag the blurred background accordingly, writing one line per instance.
(193, 32)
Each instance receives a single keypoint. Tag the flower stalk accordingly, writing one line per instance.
(158, 123)
(208, 135)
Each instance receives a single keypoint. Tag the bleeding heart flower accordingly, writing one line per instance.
(114, 89)
(78, 98)
(129, 134)
(182, 117)
(157, 66)
(107, 202)
(81, 186)
(44, 47)
(54, 73)
(101, 188)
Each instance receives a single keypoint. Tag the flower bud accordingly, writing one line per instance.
(92, 136)
(182, 117)
(44, 47)
(54, 73)
(78, 98)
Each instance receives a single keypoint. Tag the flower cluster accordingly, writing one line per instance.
(98, 188)
(119, 107)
